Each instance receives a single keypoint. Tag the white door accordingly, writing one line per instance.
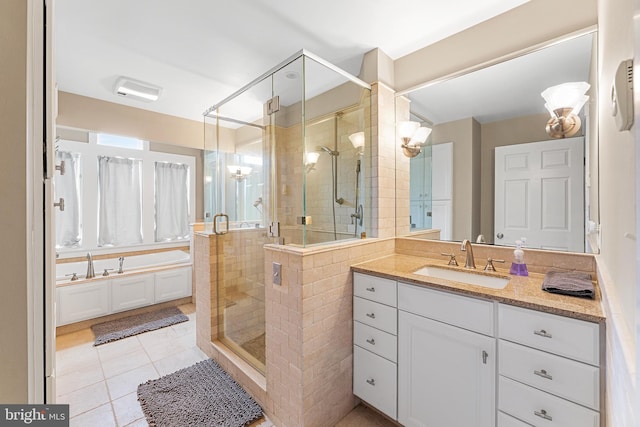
(539, 194)
(50, 112)
(446, 375)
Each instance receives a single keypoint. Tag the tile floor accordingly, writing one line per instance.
(100, 383)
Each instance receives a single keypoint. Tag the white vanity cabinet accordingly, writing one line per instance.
(549, 370)
(375, 342)
(446, 359)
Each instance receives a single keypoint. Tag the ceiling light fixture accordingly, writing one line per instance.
(413, 137)
(135, 89)
(564, 103)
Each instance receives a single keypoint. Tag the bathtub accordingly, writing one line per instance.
(131, 263)
(146, 280)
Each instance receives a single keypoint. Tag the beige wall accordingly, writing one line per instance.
(14, 194)
(532, 23)
(466, 171)
(100, 116)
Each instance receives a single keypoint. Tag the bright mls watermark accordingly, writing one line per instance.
(34, 415)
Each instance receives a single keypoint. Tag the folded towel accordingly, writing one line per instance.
(572, 283)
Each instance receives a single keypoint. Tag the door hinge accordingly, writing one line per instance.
(304, 220)
(273, 105)
(274, 229)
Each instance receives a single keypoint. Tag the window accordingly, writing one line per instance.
(125, 197)
(68, 188)
(120, 141)
(171, 201)
(119, 201)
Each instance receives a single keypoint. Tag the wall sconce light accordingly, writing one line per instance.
(357, 140)
(310, 160)
(239, 172)
(564, 103)
(413, 137)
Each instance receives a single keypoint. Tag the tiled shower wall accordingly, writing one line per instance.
(308, 329)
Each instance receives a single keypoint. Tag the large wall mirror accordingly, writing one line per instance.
(493, 167)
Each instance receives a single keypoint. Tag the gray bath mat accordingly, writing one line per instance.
(201, 395)
(137, 324)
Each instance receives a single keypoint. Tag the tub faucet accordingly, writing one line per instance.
(121, 260)
(466, 247)
(90, 273)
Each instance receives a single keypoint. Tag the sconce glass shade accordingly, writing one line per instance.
(239, 172)
(567, 95)
(413, 136)
(357, 140)
(311, 158)
(420, 136)
(564, 103)
(407, 129)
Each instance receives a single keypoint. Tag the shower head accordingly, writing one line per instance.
(328, 150)
(257, 202)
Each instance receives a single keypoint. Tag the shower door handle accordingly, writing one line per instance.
(215, 223)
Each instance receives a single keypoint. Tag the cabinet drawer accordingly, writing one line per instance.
(564, 336)
(505, 420)
(572, 380)
(379, 342)
(375, 289)
(377, 315)
(542, 409)
(468, 313)
(375, 381)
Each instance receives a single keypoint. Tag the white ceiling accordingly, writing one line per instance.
(201, 51)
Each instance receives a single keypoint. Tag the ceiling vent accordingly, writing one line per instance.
(135, 89)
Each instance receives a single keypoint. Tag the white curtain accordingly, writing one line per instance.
(119, 201)
(172, 201)
(67, 187)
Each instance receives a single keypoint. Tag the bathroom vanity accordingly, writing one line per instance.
(433, 352)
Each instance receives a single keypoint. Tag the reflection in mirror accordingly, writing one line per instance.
(515, 172)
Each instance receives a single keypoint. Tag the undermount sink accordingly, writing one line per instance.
(468, 278)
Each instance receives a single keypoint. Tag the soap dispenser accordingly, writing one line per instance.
(518, 267)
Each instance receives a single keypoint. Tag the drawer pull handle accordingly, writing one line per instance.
(371, 315)
(484, 357)
(543, 333)
(542, 373)
(371, 341)
(371, 381)
(371, 289)
(543, 414)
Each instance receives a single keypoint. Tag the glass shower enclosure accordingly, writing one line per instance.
(287, 161)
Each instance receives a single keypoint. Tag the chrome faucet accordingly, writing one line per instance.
(466, 247)
(90, 273)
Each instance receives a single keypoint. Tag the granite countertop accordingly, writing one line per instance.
(520, 291)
